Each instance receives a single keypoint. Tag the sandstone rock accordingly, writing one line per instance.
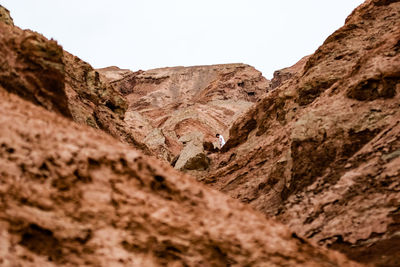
(320, 151)
(85, 81)
(182, 100)
(96, 104)
(72, 195)
(198, 162)
(210, 147)
(281, 76)
(5, 16)
(192, 156)
(40, 71)
(32, 68)
(113, 73)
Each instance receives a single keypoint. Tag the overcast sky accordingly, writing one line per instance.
(146, 34)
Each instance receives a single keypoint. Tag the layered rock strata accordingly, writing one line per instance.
(168, 103)
(40, 71)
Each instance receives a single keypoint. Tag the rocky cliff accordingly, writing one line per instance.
(321, 151)
(97, 104)
(284, 75)
(171, 105)
(40, 71)
(71, 195)
(5, 16)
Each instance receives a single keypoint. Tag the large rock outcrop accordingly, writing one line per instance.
(283, 75)
(5, 16)
(40, 71)
(97, 104)
(168, 103)
(32, 67)
(321, 151)
(71, 195)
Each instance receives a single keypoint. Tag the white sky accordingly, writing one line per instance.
(145, 34)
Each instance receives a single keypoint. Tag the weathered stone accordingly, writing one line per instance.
(182, 100)
(5, 16)
(319, 152)
(32, 68)
(198, 162)
(70, 193)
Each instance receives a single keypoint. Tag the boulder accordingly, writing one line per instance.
(192, 156)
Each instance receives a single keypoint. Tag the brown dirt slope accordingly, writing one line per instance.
(321, 152)
(71, 195)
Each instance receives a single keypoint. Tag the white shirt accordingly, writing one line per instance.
(221, 141)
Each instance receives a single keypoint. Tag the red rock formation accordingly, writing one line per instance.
(71, 195)
(113, 73)
(32, 67)
(5, 16)
(169, 103)
(321, 152)
(41, 72)
(281, 76)
(96, 104)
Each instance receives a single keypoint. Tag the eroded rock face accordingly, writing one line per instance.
(96, 104)
(40, 71)
(283, 75)
(72, 195)
(32, 67)
(5, 16)
(184, 100)
(320, 152)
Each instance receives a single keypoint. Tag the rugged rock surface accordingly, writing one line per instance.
(71, 195)
(321, 151)
(283, 75)
(5, 16)
(32, 67)
(113, 73)
(96, 104)
(168, 103)
(40, 71)
(192, 156)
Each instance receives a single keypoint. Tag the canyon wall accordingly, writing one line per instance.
(321, 151)
(72, 195)
(178, 109)
(41, 72)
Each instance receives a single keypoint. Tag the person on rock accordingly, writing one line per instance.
(221, 140)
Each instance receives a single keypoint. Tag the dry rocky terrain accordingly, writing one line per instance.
(320, 152)
(73, 194)
(313, 154)
(178, 109)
